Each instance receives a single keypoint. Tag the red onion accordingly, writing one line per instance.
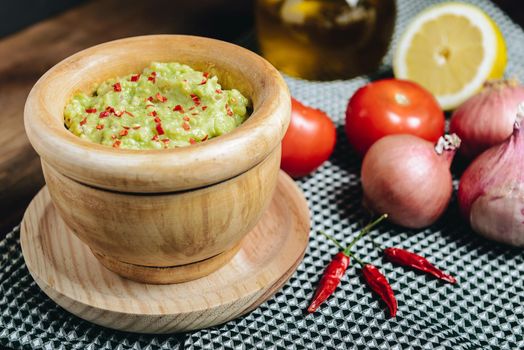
(409, 178)
(491, 190)
(486, 119)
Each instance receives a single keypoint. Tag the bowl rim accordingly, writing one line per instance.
(166, 170)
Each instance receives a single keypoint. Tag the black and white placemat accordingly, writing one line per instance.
(485, 310)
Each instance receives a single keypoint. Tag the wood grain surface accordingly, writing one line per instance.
(28, 54)
(68, 272)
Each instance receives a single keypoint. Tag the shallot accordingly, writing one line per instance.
(409, 178)
(487, 118)
(491, 190)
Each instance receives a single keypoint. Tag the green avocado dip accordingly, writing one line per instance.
(167, 105)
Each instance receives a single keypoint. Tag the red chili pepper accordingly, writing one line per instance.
(90, 110)
(178, 108)
(154, 138)
(135, 77)
(110, 109)
(129, 113)
(160, 98)
(117, 87)
(83, 121)
(152, 113)
(228, 110)
(150, 99)
(407, 258)
(159, 129)
(380, 285)
(123, 132)
(157, 120)
(100, 126)
(330, 280)
(186, 126)
(204, 108)
(117, 143)
(104, 114)
(196, 99)
(152, 77)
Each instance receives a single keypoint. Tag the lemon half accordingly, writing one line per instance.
(451, 49)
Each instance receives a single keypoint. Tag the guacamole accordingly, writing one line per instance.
(167, 105)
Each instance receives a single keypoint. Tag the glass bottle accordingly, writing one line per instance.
(325, 39)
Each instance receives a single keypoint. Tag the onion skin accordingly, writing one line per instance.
(486, 119)
(404, 176)
(491, 192)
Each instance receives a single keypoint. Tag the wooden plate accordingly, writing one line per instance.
(66, 270)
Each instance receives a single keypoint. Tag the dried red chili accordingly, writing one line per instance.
(157, 120)
(228, 110)
(337, 267)
(135, 78)
(100, 126)
(407, 258)
(196, 99)
(152, 113)
(154, 138)
(330, 280)
(123, 132)
(110, 109)
(204, 108)
(150, 99)
(178, 108)
(117, 87)
(186, 126)
(380, 285)
(90, 110)
(83, 121)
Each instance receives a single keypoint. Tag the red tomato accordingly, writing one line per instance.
(309, 140)
(392, 106)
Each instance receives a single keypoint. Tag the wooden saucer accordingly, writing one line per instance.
(66, 270)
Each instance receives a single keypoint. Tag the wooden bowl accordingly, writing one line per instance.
(161, 208)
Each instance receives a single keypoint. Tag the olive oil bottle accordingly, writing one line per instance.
(325, 39)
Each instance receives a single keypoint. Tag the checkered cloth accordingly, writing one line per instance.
(485, 310)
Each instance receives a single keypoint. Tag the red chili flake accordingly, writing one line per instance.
(196, 99)
(104, 114)
(100, 126)
(83, 121)
(192, 141)
(155, 138)
(218, 91)
(165, 140)
(206, 74)
(152, 77)
(191, 108)
(129, 113)
(204, 108)
(117, 87)
(119, 114)
(110, 109)
(228, 110)
(159, 129)
(113, 137)
(126, 127)
(150, 99)
(186, 118)
(123, 132)
(152, 113)
(136, 127)
(160, 97)
(135, 77)
(117, 143)
(178, 108)
(204, 80)
(157, 120)
(147, 106)
(195, 113)
(186, 126)
(205, 138)
(91, 110)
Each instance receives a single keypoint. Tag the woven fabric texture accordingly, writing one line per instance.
(485, 310)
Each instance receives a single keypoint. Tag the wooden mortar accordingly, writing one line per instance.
(185, 210)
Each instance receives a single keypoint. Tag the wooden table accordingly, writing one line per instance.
(28, 54)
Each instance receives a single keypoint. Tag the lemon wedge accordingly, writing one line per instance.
(451, 49)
